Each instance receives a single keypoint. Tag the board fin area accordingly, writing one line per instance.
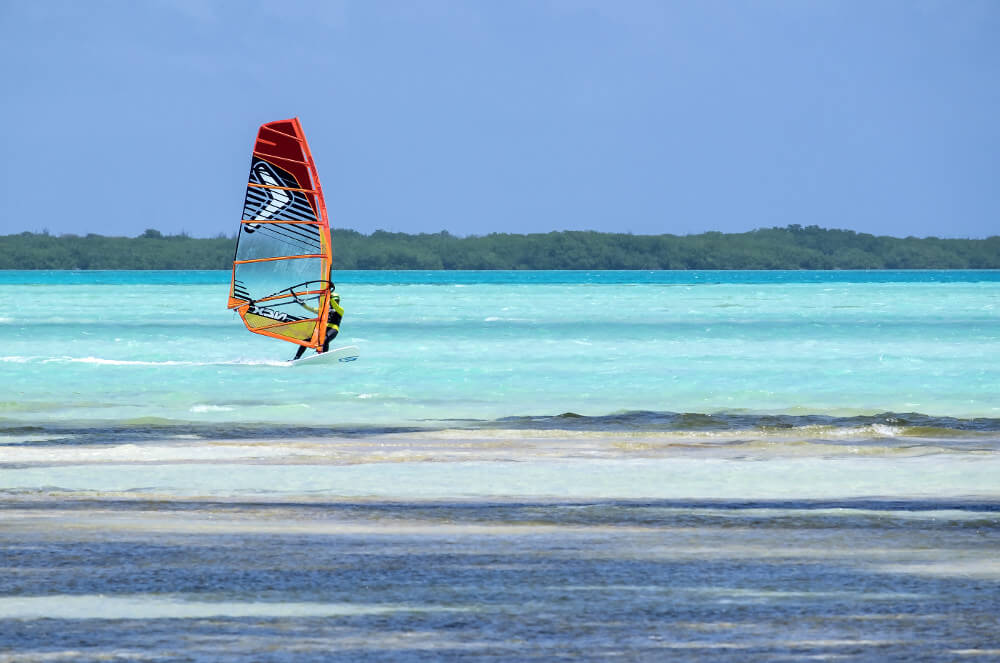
(344, 355)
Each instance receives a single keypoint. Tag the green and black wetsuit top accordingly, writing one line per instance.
(333, 318)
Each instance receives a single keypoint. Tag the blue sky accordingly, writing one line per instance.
(880, 116)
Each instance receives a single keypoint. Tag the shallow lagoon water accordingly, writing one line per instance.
(742, 466)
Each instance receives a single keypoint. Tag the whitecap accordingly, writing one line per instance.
(211, 408)
(886, 430)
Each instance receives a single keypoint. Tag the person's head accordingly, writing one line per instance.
(336, 298)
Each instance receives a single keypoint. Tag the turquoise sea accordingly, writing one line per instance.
(521, 465)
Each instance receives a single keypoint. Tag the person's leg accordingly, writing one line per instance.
(301, 351)
(330, 335)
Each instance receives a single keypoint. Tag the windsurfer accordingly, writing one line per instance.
(333, 318)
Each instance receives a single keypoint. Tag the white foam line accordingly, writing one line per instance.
(101, 361)
(7, 438)
(132, 453)
(118, 362)
(98, 606)
(15, 359)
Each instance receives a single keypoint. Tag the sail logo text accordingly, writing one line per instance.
(269, 313)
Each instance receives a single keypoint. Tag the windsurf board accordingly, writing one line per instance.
(342, 355)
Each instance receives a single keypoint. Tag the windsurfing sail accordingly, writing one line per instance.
(281, 269)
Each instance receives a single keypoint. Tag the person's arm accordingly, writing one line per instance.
(304, 305)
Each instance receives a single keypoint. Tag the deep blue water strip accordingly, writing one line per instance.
(508, 277)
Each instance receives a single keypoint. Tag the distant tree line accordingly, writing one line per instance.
(794, 247)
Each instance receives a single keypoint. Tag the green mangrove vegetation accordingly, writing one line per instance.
(793, 247)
